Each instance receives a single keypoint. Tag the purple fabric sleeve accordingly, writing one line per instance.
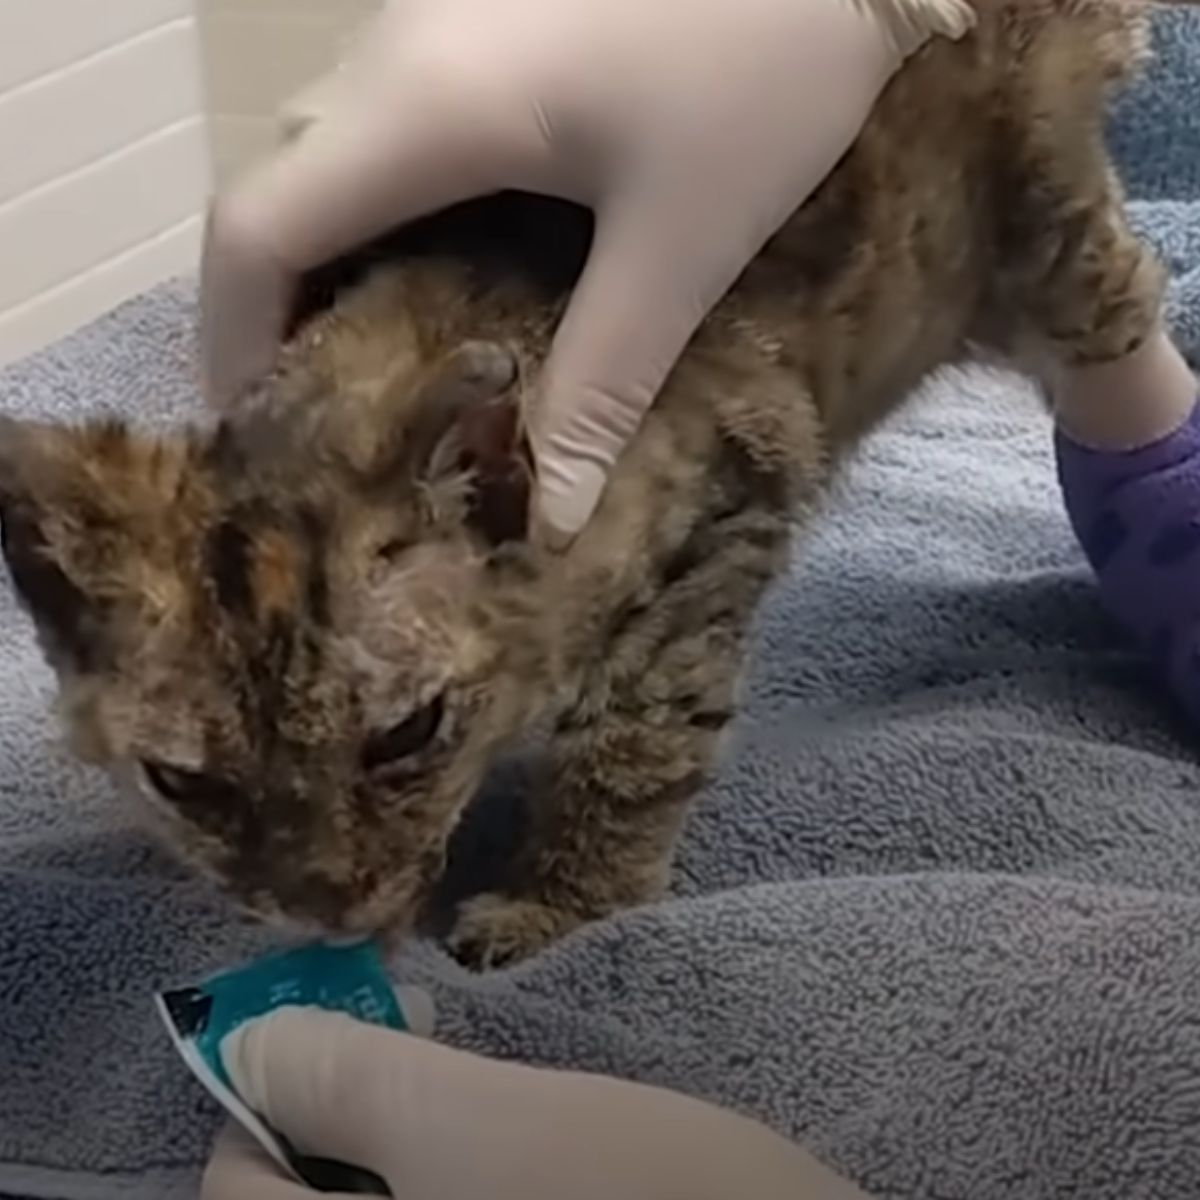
(1137, 516)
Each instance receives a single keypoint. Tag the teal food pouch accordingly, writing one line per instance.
(347, 978)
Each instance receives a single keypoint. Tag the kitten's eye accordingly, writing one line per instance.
(410, 735)
(180, 786)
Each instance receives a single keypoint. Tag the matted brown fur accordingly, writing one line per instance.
(308, 631)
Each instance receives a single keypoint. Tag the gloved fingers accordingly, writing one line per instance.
(383, 154)
(657, 267)
(241, 1170)
(246, 300)
(378, 156)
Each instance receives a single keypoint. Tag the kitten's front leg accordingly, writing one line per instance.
(631, 754)
(602, 836)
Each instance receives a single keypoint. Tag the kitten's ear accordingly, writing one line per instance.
(468, 422)
(43, 517)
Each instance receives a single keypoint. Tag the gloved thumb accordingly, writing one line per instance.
(323, 1080)
(418, 1114)
(650, 280)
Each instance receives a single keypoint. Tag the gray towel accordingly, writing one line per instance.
(938, 918)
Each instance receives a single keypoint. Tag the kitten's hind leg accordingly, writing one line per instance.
(1125, 403)
(628, 758)
(1089, 292)
(1092, 291)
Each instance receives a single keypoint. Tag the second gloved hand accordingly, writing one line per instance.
(693, 129)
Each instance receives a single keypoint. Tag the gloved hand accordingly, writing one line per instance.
(692, 129)
(1128, 444)
(438, 1124)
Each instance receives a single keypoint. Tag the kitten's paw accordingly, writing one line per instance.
(492, 930)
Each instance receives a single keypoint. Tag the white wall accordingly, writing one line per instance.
(104, 160)
(116, 119)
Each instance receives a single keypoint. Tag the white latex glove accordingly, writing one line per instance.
(693, 128)
(438, 1124)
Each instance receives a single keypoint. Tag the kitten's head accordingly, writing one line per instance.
(300, 633)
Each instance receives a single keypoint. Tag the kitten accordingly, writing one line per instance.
(309, 630)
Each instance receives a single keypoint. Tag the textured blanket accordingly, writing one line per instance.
(938, 918)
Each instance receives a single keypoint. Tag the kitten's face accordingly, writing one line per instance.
(297, 646)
